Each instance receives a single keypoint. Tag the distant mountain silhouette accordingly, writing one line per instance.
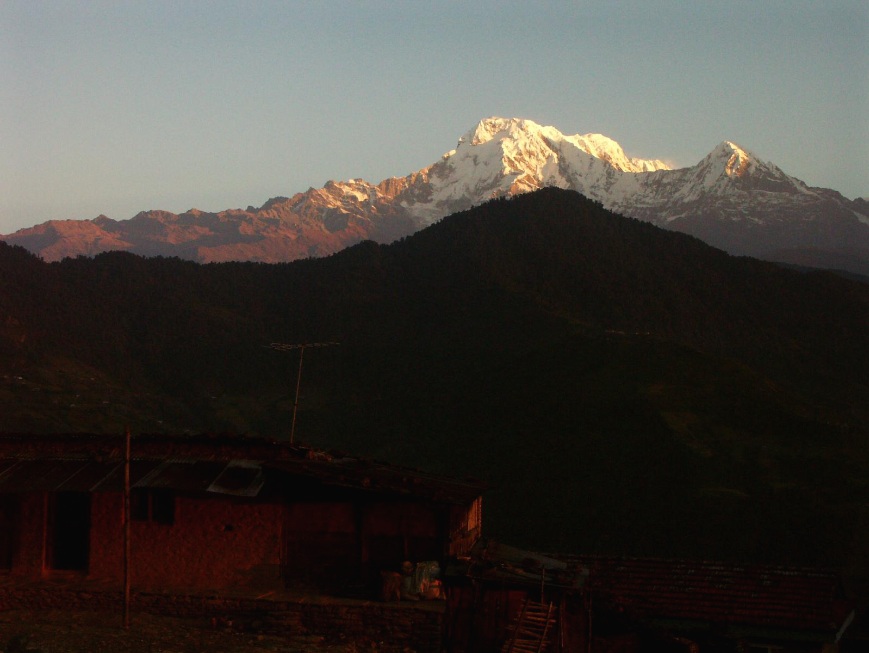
(623, 388)
(731, 199)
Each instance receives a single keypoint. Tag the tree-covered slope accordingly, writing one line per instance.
(622, 388)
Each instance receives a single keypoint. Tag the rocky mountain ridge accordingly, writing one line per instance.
(732, 199)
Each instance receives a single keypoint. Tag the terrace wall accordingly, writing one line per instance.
(413, 626)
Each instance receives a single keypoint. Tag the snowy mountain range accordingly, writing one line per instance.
(732, 199)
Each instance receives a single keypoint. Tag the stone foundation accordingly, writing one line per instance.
(416, 626)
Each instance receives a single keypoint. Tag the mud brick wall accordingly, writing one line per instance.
(212, 544)
(398, 624)
(28, 555)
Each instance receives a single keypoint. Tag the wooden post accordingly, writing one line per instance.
(127, 530)
(561, 608)
(47, 549)
(361, 542)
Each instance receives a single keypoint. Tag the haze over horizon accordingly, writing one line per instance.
(116, 109)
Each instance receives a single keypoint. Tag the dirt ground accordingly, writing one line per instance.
(94, 632)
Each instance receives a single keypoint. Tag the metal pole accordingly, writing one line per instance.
(127, 531)
(298, 384)
(280, 346)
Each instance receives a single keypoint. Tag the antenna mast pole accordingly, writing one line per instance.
(298, 385)
(279, 346)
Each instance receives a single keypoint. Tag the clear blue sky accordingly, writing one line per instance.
(115, 107)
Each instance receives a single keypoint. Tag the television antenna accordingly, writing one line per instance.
(280, 346)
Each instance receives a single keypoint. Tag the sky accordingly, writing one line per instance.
(116, 107)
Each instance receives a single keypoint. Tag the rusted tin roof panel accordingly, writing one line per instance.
(5, 466)
(68, 474)
(89, 476)
(39, 475)
(114, 480)
(235, 477)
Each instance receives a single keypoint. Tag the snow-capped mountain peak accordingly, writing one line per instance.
(605, 148)
(736, 161)
(488, 128)
(508, 156)
(732, 198)
(521, 132)
(731, 168)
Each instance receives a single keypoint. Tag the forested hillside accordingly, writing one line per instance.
(622, 388)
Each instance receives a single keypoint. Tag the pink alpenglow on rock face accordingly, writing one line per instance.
(732, 198)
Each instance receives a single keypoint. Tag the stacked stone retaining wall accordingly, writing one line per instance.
(419, 628)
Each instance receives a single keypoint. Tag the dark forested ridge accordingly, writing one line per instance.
(623, 388)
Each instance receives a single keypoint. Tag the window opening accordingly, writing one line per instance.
(156, 506)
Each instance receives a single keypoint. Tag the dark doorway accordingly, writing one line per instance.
(70, 521)
(8, 530)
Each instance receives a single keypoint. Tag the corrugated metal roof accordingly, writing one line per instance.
(232, 477)
(5, 464)
(89, 475)
(240, 478)
(114, 480)
(379, 477)
(222, 464)
(503, 554)
(49, 475)
(494, 561)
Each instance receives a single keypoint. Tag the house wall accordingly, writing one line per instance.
(223, 542)
(394, 532)
(28, 551)
(321, 541)
(212, 544)
(355, 540)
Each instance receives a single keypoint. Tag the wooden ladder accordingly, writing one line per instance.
(533, 629)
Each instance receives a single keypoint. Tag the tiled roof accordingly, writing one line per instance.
(756, 595)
